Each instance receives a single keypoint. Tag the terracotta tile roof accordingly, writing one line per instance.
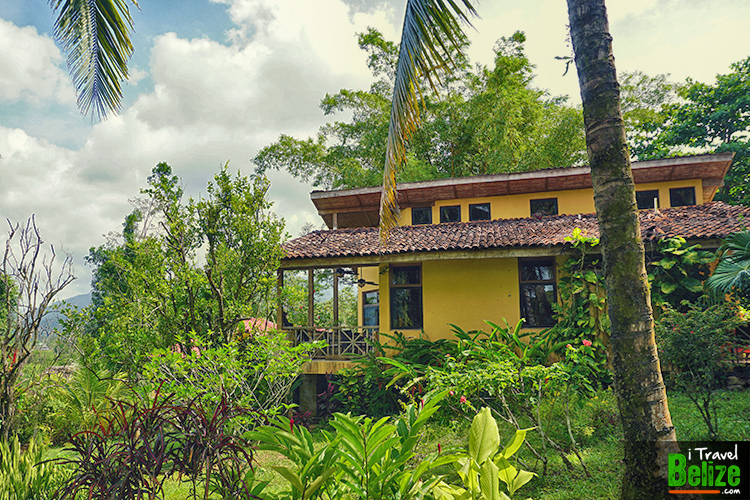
(708, 221)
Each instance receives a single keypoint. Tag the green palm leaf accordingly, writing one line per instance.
(96, 36)
(431, 28)
(733, 271)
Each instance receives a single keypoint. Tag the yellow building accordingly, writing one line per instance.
(484, 248)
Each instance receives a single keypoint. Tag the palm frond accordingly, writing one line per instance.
(431, 28)
(95, 34)
(733, 271)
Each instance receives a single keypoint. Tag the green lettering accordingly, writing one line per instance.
(677, 464)
(733, 475)
(694, 475)
(720, 469)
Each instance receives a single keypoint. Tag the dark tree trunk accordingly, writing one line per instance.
(648, 431)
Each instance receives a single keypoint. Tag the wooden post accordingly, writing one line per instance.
(311, 298)
(335, 299)
(279, 303)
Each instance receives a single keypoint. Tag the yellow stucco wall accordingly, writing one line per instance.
(464, 293)
(574, 201)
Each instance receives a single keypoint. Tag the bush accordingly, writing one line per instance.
(694, 348)
(257, 372)
(23, 475)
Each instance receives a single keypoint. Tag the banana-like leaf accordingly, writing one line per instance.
(488, 481)
(484, 438)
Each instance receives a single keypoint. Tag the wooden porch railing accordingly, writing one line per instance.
(342, 342)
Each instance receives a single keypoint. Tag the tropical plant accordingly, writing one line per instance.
(84, 399)
(695, 347)
(732, 274)
(258, 371)
(96, 37)
(140, 445)
(676, 273)
(485, 465)
(581, 316)
(23, 475)
(365, 459)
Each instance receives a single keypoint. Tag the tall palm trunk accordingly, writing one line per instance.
(647, 426)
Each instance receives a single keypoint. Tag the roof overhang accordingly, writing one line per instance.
(360, 207)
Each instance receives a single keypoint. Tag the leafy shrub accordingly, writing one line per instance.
(693, 348)
(258, 372)
(676, 273)
(365, 459)
(139, 445)
(83, 400)
(486, 465)
(23, 475)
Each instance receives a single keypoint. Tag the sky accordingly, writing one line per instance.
(216, 80)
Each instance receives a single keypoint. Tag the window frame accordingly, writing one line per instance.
(427, 210)
(366, 306)
(412, 286)
(458, 207)
(673, 192)
(474, 205)
(531, 206)
(651, 205)
(521, 283)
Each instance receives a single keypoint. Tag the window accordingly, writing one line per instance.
(546, 206)
(371, 308)
(450, 214)
(421, 215)
(538, 291)
(647, 199)
(680, 197)
(406, 297)
(479, 211)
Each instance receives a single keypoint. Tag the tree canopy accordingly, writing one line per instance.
(481, 120)
(185, 268)
(669, 119)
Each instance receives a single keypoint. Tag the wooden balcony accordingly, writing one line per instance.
(342, 343)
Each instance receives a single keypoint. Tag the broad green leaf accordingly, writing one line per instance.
(668, 287)
(290, 476)
(692, 284)
(318, 482)
(488, 481)
(515, 443)
(484, 439)
(521, 478)
(506, 472)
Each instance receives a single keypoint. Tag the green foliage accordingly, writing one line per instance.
(480, 121)
(694, 347)
(581, 314)
(677, 272)
(364, 459)
(152, 285)
(486, 464)
(257, 372)
(137, 447)
(23, 475)
(706, 118)
(82, 401)
(732, 274)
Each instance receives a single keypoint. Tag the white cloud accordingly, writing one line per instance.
(30, 66)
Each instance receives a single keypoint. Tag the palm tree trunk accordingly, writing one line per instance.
(648, 431)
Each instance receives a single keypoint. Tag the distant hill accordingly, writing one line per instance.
(52, 318)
